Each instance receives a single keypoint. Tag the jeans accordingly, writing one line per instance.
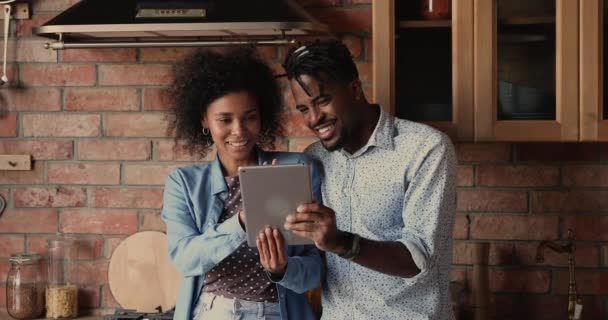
(212, 307)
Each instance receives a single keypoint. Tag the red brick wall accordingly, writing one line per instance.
(92, 119)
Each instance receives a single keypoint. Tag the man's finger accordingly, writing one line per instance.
(305, 234)
(304, 217)
(302, 226)
(314, 207)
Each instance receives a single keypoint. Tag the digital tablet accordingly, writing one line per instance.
(269, 194)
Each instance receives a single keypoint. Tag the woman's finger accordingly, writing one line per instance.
(263, 249)
(259, 247)
(272, 248)
(278, 238)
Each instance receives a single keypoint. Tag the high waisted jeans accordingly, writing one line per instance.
(212, 307)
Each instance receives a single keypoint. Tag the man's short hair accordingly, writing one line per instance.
(329, 57)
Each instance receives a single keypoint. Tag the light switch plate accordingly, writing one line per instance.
(20, 11)
(15, 162)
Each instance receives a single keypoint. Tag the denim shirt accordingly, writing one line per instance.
(193, 202)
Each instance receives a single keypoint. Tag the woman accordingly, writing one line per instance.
(231, 101)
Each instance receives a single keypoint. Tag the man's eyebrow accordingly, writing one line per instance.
(319, 97)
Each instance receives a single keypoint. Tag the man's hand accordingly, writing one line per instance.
(318, 223)
(271, 247)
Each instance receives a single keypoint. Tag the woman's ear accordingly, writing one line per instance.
(204, 122)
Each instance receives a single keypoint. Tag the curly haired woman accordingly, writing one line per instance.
(231, 101)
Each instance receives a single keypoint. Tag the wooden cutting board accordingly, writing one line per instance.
(140, 275)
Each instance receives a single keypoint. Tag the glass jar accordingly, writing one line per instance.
(61, 292)
(25, 287)
(436, 9)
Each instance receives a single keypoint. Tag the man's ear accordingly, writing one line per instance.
(356, 89)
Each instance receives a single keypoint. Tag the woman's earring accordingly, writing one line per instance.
(206, 131)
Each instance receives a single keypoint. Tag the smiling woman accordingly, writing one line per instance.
(231, 100)
(209, 78)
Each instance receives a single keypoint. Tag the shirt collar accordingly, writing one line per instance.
(381, 137)
(216, 177)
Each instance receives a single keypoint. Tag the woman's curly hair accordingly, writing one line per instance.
(205, 76)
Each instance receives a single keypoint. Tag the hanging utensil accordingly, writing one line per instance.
(2, 205)
(7, 20)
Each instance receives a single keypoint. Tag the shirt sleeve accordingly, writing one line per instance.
(429, 206)
(304, 270)
(193, 253)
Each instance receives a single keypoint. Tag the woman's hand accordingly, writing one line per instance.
(242, 218)
(271, 247)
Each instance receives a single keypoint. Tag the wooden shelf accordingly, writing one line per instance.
(527, 20)
(425, 23)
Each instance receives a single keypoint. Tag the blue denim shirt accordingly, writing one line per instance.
(193, 202)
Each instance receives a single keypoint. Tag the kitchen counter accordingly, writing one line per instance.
(5, 316)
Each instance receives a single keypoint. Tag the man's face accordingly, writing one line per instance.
(325, 109)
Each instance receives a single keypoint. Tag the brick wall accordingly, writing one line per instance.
(93, 121)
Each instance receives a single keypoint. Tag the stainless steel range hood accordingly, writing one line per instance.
(169, 23)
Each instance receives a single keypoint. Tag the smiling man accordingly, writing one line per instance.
(388, 192)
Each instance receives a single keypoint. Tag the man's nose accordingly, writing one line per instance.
(314, 116)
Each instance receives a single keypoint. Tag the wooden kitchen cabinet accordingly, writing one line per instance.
(423, 69)
(520, 70)
(593, 53)
(526, 70)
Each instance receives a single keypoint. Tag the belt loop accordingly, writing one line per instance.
(211, 302)
(261, 310)
(236, 306)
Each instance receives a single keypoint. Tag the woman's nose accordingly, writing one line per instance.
(238, 128)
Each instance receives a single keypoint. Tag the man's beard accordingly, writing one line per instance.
(335, 146)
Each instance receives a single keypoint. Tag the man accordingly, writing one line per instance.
(388, 192)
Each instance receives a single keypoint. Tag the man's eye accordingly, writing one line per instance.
(302, 109)
(324, 102)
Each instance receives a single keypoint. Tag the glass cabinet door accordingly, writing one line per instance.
(526, 70)
(423, 62)
(594, 85)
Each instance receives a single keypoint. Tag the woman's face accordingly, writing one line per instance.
(234, 122)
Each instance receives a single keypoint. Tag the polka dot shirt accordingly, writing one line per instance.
(240, 275)
(399, 187)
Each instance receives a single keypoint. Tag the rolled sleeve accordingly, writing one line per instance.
(429, 207)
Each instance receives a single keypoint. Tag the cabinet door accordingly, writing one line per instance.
(423, 69)
(526, 70)
(594, 96)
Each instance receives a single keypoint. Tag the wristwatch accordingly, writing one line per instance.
(354, 248)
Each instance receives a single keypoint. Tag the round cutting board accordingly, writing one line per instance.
(140, 274)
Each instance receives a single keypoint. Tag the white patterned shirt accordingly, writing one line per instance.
(399, 187)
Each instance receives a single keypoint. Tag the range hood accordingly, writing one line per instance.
(172, 23)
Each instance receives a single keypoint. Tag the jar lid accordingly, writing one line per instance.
(53, 242)
(24, 258)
